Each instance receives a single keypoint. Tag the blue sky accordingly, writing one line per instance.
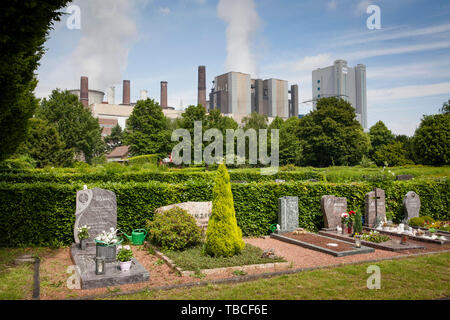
(148, 41)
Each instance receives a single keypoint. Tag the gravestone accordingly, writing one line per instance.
(288, 213)
(404, 177)
(332, 207)
(375, 207)
(97, 209)
(411, 204)
(201, 211)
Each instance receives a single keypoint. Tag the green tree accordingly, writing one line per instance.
(24, 28)
(380, 136)
(114, 140)
(291, 146)
(331, 135)
(78, 129)
(223, 236)
(394, 154)
(147, 130)
(255, 121)
(445, 107)
(431, 141)
(44, 145)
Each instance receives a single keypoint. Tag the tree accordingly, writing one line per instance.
(44, 145)
(431, 141)
(24, 28)
(255, 121)
(223, 236)
(394, 154)
(147, 130)
(445, 107)
(291, 146)
(114, 140)
(78, 129)
(380, 136)
(331, 135)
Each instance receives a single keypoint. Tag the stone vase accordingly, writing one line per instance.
(83, 243)
(108, 252)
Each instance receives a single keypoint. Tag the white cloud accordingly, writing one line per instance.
(164, 10)
(406, 92)
(361, 7)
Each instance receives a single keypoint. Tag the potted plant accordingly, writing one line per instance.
(124, 257)
(106, 245)
(83, 235)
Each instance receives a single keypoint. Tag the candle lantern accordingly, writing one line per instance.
(99, 265)
(358, 241)
(404, 238)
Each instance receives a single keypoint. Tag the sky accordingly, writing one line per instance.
(148, 41)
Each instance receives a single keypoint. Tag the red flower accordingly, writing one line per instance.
(351, 212)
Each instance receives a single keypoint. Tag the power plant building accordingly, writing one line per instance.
(341, 81)
(237, 95)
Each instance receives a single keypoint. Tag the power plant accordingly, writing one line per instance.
(235, 94)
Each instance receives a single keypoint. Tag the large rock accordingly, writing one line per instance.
(201, 211)
(97, 209)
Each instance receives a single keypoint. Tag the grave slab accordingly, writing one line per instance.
(332, 207)
(375, 207)
(411, 204)
(288, 213)
(85, 261)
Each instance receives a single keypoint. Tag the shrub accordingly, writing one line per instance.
(124, 255)
(427, 220)
(357, 225)
(223, 236)
(174, 229)
(140, 160)
(416, 222)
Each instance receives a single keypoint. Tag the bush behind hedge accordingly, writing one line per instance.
(43, 214)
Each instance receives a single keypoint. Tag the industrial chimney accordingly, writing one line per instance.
(84, 91)
(163, 94)
(202, 86)
(126, 93)
(112, 95)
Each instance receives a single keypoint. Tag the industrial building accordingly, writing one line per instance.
(339, 80)
(237, 95)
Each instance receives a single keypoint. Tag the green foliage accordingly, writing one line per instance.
(393, 153)
(431, 141)
(255, 121)
(331, 135)
(223, 236)
(114, 140)
(144, 159)
(174, 229)
(357, 222)
(76, 126)
(124, 255)
(416, 222)
(44, 145)
(375, 236)
(147, 129)
(24, 27)
(380, 136)
(22, 162)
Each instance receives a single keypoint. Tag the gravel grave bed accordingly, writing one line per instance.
(320, 241)
(54, 264)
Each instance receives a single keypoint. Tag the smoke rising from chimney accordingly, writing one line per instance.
(242, 23)
(107, 30)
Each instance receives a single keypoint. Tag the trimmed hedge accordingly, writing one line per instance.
(43, 214)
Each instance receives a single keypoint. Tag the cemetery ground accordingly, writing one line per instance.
(308, 275)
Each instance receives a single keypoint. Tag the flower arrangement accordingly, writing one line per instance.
(83, 232)
(375, 236)
(125, 254)
(347, 218)
(108, 238)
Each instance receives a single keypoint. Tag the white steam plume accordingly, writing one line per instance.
(107, 30)
(242, 23)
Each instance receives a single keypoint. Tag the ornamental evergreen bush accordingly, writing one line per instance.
(174, 229)
(223, 236)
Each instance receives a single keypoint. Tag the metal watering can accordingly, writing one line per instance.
(137, 236)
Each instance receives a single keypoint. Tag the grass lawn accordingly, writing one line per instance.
(426, 277)
(193, 260)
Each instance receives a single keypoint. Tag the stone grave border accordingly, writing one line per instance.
(321, 249)
(188, 273)
(248, 278)
(435, 241)
(370, 244)
(28, 258)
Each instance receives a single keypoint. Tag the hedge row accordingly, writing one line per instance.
(147, 176)
(42, 214)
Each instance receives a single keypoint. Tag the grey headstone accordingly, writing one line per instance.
(375, 207)
(288, 213)
(332, 208)
(411, 203)
(97, 209)
(201, 211)
(403, 177)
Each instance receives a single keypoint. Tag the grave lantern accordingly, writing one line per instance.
(358, 241)
(404, 238)
(99, 265)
